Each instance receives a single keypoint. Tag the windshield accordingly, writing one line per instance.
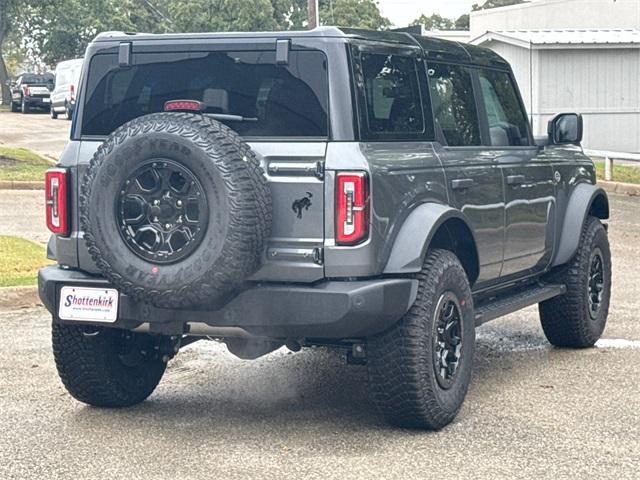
(246, 90)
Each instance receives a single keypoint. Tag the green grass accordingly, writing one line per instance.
(20, 261)
(621, 173)
(22, 164)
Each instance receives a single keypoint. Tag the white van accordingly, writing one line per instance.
(63, 97)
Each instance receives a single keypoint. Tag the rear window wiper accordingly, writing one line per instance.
(231, 118)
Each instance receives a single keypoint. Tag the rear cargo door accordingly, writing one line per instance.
(295, 174)
(272, 92)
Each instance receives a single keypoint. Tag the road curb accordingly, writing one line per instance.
(620, 188)
(18, 185)
(16, 298)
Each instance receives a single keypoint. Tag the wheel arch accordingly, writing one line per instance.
(586, 199)
(433, 225)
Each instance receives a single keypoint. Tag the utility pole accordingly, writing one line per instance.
(312, 11)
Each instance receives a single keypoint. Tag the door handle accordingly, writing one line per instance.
(515, 179)
(461, 183)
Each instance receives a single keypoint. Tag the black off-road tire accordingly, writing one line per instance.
(402, 371)
(24, 107)
(566, 319)
(240, 211)
(53, 113)
(15, 107)
(96, 370)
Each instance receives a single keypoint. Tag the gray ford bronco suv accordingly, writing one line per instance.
(377, 192)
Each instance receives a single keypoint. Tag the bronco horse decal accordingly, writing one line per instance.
(302, 204)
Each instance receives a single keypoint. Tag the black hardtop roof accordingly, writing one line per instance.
(434, 48)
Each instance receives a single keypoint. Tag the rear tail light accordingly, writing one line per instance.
(72, 92)
(26, 91)
(352, 207)
(57, 201)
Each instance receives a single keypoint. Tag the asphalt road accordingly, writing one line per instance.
(36, 131)
(533, 411)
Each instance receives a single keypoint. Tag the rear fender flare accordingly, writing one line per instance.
(418, 230)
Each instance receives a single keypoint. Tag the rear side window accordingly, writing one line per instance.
(508, 124)
(454, 105)
(263, 99)
(393, 106)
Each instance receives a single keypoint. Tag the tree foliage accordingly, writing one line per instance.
(56, 30)
(495, 4)
(353, 13)
(437, 22)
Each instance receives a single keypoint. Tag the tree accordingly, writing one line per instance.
(495, 4)
(462, 22)
(9, 12)
(353, 13)
(56, 30)
(434, 22)
(224, 15)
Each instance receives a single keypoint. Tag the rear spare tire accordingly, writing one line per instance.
(175, 209)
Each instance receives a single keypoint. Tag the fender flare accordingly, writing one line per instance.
(578, 207)
(415, 235)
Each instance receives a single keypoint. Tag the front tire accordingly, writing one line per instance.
(106, 367)
(420, 369)
(577, 318)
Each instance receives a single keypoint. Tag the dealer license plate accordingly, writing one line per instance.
(88, 304)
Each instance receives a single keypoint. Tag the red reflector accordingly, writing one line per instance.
(56, 201)
(352, 207)
(182, 105)
(72, 92)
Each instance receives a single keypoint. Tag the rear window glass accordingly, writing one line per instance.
(454, 105)
(263, 99)
(393, 103)
(31, 78)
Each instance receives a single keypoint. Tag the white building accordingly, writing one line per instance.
(573, 56)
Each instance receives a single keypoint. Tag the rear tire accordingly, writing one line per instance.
(577, 318)
(106, 367)
(409, 365)
(24, 107)
(53, 113)
(15, 107)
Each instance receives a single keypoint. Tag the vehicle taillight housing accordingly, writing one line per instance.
(72, 92)
(26, 91)
(57, 200)
(183, 105)
(352, 207)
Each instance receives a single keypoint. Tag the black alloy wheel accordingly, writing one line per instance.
(162, 211)
(447, 349)
(596, 283)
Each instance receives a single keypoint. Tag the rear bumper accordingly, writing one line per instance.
(38, 102)
(327, 310)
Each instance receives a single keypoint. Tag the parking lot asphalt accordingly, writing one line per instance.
(533, 411)
(36, 131)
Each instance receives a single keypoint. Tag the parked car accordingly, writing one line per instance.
(31, 90)
(376, 192)
(63, 96)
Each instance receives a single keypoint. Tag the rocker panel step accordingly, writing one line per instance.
(511, 302)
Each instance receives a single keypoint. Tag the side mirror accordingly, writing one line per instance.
(565, 128)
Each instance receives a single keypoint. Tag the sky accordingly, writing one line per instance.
(403, 12)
